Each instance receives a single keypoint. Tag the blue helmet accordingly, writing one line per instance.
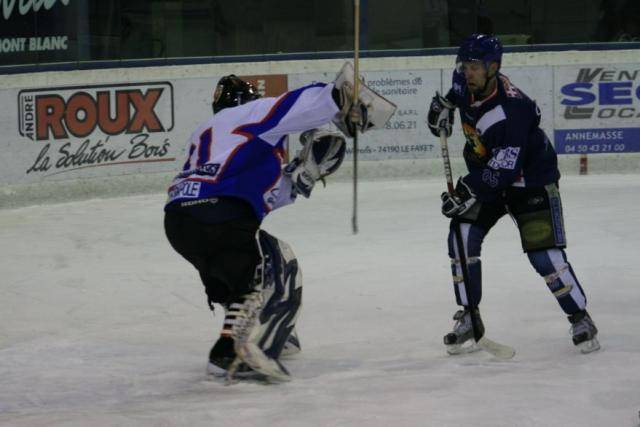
(480, 47)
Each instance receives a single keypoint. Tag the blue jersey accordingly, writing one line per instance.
(504, 143)
(239, 151)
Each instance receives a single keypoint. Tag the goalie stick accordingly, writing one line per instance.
(356, 87)
(498, 350)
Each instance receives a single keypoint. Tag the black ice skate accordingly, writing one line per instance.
(222, 355)
(460, 340)
(583, 332)
(246, 332)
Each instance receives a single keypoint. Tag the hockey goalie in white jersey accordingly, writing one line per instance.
(232, 178)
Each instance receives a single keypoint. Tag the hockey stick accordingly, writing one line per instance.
(356, 88)
(500, 351)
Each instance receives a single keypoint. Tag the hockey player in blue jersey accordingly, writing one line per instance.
(232, 178)
(512, 168)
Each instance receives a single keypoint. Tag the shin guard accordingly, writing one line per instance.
(553, 266)
(472, 237)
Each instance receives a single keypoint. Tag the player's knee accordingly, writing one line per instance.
(472, 237)
(548, 261)
(552, 265)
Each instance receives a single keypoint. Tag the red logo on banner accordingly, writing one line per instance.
(63, 112)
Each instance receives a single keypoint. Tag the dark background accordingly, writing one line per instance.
(137, 29)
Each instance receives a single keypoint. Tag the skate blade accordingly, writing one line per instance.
(455, 349)
(252, 377)
(589, 346)
(215, 371)
(258, 361)
(234, 373)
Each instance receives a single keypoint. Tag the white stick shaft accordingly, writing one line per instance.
(445, 159)
(356, 89)
(356, 50)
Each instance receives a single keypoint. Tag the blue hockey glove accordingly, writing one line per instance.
(440, 115)
(459, 202)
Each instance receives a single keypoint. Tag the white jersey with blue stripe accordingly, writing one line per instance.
(239, 151)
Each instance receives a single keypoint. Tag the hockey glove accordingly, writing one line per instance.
(440, 115)
(458, 202)
(322, 154)
(352, 117)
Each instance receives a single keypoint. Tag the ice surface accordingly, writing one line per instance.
(102, 324)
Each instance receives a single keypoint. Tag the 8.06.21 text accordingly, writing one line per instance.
(401, 124)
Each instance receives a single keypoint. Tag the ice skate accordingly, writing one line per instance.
(584, 332)
(460, 340)
(222, 355)
(246, 332)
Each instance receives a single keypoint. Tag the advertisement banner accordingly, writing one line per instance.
(597, 109)
(86, 131)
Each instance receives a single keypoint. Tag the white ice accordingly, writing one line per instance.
(102, 324)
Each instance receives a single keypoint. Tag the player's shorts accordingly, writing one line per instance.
(224, 253)
(536, 210)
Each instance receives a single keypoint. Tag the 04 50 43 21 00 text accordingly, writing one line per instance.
(594, 148)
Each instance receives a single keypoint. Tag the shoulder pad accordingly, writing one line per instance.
(509, 89)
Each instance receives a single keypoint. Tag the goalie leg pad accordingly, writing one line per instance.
(261, 322)
(553, 266)
(292, 345)
(264, 319)
(283, 294)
